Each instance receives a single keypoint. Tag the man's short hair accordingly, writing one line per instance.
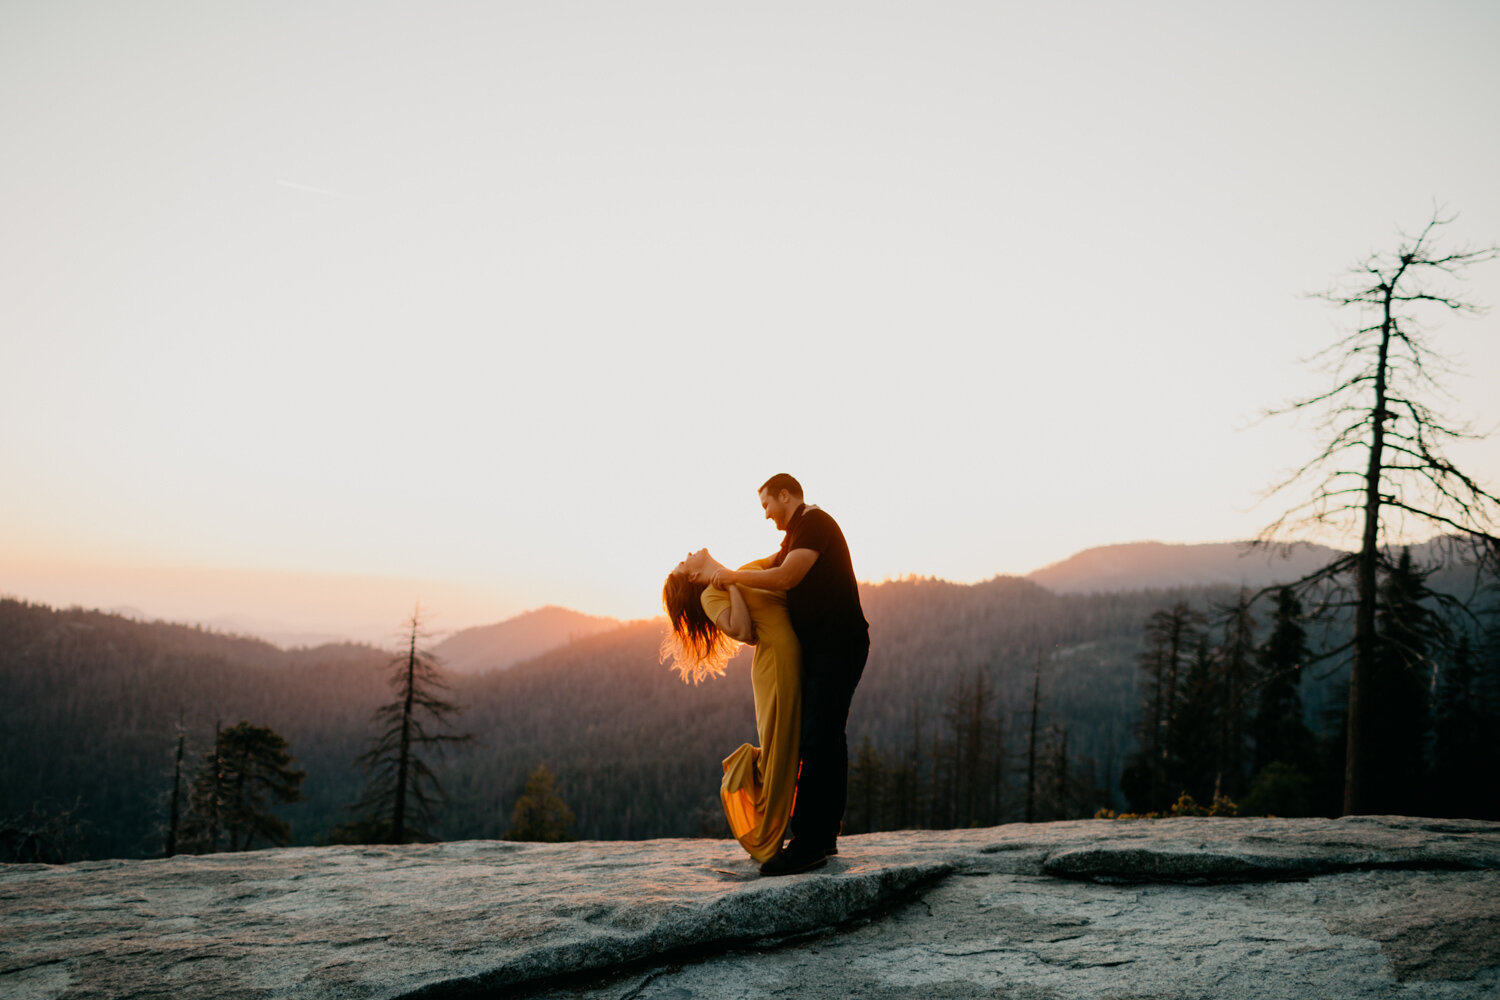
(781, 481)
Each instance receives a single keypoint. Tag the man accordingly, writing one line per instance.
(822, 597)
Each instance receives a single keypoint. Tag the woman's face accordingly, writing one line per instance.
(690, 566)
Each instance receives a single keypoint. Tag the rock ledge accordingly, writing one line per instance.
(1048, 906)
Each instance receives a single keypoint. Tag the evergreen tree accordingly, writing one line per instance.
(1277, 728)
(1195, 762)
(1036, 704)
(975, 751)
(1401, 678)
(1171, 635)
(37, 836)
(902, 792)
(202, 831)
(1057, 791)
(867, 790)
(907, 800)
(174, 810)
(1235, 664)
(540, 813)
(247, 771)
(402, 791)
(1464, 753)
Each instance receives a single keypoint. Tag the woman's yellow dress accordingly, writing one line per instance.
(759, 789)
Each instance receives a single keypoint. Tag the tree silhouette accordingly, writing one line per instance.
(1036, 704)
(202, 830)
(867, 790)
(1196, 757)
(1153, 774)
(41, 837)
(1408, 634)
(247, 770)
(540, 814)
(174, 816)
(1466, 759)
(401, 790)
(1277, 728)
(1382, 472)
(1235, 667)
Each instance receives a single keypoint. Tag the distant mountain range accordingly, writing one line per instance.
(524, 637)
(1128, 567)
(1155, 565)
(1133, 566)
(635, 750)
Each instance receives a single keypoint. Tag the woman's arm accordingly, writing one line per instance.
(735, 622)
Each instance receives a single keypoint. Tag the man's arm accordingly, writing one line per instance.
(784, 577)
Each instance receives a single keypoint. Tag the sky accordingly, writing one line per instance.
(312, 311)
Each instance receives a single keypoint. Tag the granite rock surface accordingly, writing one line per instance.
(1367, 906)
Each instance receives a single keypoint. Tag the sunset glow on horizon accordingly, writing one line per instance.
(311, 313)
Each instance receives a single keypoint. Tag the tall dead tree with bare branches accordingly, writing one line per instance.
(402, 788)
(1383, 474)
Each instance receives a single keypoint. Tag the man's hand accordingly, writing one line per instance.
(783, 577)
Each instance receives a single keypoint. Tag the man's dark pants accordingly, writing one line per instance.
(829, 675)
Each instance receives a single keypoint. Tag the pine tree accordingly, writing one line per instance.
(174, 810)
(867, 790)
(1171, 635)
(241, 777)
(1236, 670)
(1196, 757)
(1401, 679)
(1036, 704)
(202, 831)
(1464, 754)
(540, 814)
(1277, 728)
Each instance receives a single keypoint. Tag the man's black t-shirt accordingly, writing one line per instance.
(824, 607)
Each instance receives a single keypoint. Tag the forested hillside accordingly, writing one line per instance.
(94, 702)
(1142, 565)
(532, 633)
(974, 696)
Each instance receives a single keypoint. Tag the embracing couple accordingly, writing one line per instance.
(800, 609)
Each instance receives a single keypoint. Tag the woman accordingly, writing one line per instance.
(760, 783)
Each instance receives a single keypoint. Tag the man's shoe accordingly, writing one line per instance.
(791, 861)
(830, 850)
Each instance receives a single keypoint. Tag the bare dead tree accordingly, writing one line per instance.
(1382, 474)
(399, 777)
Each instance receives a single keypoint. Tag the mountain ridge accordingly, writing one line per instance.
(1153, 565)
(523, 637)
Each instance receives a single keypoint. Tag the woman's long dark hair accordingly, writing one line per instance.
(697, 647)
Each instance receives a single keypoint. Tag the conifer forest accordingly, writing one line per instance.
(981, 704)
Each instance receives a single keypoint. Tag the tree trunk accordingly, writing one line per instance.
(1356, 750)
(239, 811)
(1062, 777)
(398, 819)
(1036, 697)
(176, 794)
(214, 818)
(1169, 709)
